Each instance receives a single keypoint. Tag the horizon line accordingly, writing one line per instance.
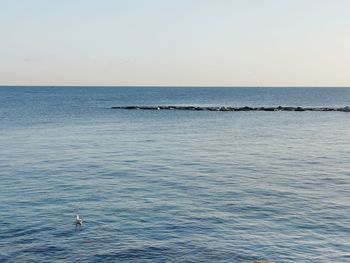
(166, 86)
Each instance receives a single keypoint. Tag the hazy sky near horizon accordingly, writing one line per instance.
(176, 43)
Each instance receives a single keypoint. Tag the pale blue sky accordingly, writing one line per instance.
(175, 42)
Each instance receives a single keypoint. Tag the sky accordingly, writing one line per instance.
(175, 42)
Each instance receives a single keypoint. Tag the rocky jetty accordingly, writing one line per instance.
(225, 108)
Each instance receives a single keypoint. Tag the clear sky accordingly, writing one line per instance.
(175, 42)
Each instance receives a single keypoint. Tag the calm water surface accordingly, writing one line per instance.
(173, 186)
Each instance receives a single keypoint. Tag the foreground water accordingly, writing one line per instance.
(173, 186)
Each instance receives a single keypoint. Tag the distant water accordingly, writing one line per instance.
(173, 186)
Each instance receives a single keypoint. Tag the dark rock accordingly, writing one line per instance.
(268, 109)
(213, 108)
(246, 108)
(288, 108)
(345, 109)
(131, 108)
(148, 108)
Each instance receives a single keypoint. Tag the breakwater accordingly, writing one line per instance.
(225, 108)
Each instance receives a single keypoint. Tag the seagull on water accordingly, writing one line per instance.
(78, 221)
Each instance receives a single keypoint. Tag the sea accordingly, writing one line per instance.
(173, 185)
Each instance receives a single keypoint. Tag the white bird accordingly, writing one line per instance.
(78, 221)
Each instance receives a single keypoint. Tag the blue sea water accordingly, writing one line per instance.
(173, 186)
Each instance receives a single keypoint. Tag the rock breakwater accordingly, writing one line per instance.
(225, 108)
